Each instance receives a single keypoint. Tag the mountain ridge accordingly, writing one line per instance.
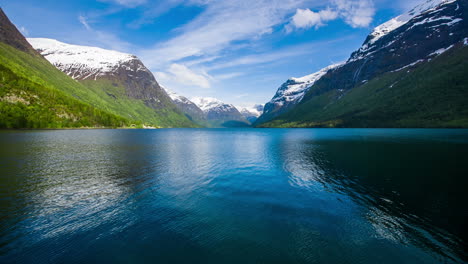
(121, 80)
(220, 114)
(418, 42)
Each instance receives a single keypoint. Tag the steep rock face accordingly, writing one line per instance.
(404, 41)
(391, 52)
(10, 35)
(290, 94)
(252, 113)
(85, 63)
(220, 114)
(190, 109)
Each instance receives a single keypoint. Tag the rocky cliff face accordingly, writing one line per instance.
(190, 109)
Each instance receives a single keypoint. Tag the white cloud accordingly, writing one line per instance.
(356, 13)
(183, 75)
(305, 18)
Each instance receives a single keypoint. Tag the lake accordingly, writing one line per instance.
(234, 196)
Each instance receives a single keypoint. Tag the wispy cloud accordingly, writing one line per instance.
(126, 3)
(227, 76)
(153, 11)
(221, 24)
(84, 22)
(279, 55)
(184, 75)
(24, 31)
(105, 39)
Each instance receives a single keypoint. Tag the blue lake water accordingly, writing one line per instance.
(234, 196)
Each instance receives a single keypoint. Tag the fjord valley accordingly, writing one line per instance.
(143, 131)
(410, 72)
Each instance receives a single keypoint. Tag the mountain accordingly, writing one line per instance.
(290, 94)
(190, 109)
(219, 114)
(118, 82)
(410, 72)
(33, 94)
(252, 113)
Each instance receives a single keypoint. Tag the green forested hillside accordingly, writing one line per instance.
(431, 94)
(32, 96)
(112, 97)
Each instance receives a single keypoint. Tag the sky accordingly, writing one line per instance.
(239, 51)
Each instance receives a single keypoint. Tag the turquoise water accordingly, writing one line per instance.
(234, 196)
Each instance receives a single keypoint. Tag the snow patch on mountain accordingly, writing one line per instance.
(175, 96)
(208, 103)
(440, 51)
(81, 62)
(428, 7)
(409, 65)
(399, 21)
(295, 88)
(255, 110)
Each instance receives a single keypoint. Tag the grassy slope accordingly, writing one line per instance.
(434, 94)
(114, 100)
(28, 99)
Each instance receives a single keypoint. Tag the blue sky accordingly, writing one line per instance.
(239, 51)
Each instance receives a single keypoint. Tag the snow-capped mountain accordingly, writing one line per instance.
(85, 63)
(404, 41)
(400, 20)
(432, 14)
(119, 77)
(220, 114)
(399, 45)
(252, 113)
(190, 109)
(291, 93)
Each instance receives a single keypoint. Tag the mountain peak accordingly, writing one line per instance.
(81, 62)
(220, 114)
(207, 103)
(400, 20)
